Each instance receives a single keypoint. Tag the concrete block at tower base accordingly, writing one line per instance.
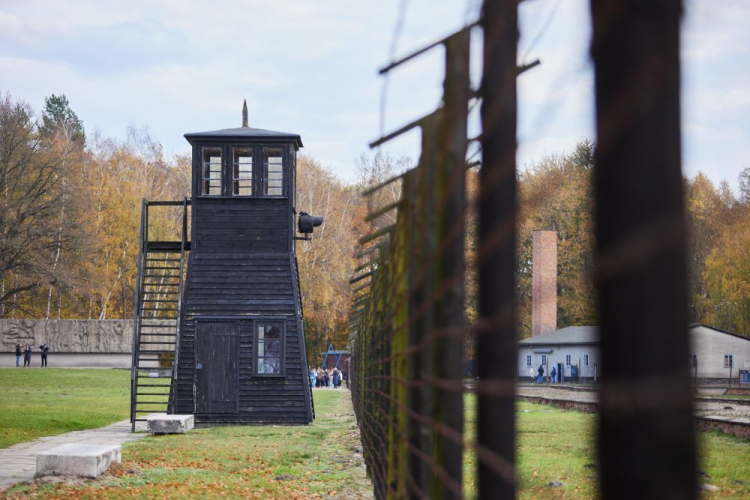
(86, 460)
(161, 423)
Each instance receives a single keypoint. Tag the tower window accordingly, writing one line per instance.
(273, 175)
(211, 182)
(268, 352)
(242, 172)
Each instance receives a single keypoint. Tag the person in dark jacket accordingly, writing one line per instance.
(336, 378)
(27, 356)
(18, 354)
(45, 349)
(540, 374)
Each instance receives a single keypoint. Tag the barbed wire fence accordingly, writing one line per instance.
(408, 327)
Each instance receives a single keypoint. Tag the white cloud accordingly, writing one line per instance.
(310, 68)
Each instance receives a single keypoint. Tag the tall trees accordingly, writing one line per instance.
(327, 261)
(31, 199)
(556, 194)
(70, 210)
(63, 135)
(720, 253)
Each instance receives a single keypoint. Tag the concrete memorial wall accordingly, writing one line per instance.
(72, 342)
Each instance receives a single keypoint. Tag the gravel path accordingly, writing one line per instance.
(703, 408)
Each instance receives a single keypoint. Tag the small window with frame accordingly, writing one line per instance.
(567, 359)
(269, 348)
(728, 361)
(544, 359)
(585, 360)
(212, 172)
(242, 171)
(528, 360)
(273, 172)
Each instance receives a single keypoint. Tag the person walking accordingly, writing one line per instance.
(18, 354)
(45, 349)
(553, 374)
(312, 377)
(540, 374)
(27, 356)
(336, 378)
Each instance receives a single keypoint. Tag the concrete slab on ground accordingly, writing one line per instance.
(84, 460)
(18, 462)
(161, 423)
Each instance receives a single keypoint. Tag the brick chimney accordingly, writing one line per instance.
(544, 283)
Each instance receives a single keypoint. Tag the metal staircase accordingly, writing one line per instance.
(156, 328)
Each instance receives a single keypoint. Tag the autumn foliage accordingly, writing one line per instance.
(71, 212)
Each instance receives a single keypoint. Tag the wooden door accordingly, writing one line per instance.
(217, 367)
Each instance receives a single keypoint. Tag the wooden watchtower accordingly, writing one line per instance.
(239, 355)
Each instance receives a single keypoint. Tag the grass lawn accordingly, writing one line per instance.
(556, 445)
(39, 402)
(315, 461)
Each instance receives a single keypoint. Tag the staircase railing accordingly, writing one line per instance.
(145, 249)
(180, 293)
(137, 311)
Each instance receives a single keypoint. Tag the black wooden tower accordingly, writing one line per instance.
(238, 351)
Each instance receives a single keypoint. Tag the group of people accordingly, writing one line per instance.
(26, 353)
(331, 378)
(540, 374)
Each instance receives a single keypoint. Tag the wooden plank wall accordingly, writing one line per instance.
(231, 225)
(250, 285)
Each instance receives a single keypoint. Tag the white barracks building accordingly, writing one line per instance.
(715, 354)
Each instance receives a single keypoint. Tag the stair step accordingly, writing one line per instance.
(155, 268)
(163, 300)
(159, 293)
(152, 394)
(163, 260)
(159, 309)
(154, 385)
(158, 343)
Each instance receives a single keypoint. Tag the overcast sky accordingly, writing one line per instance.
(310, 67)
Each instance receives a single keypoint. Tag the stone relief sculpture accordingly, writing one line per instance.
(68, 335)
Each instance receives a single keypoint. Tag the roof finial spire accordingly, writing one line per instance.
(244, 114)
